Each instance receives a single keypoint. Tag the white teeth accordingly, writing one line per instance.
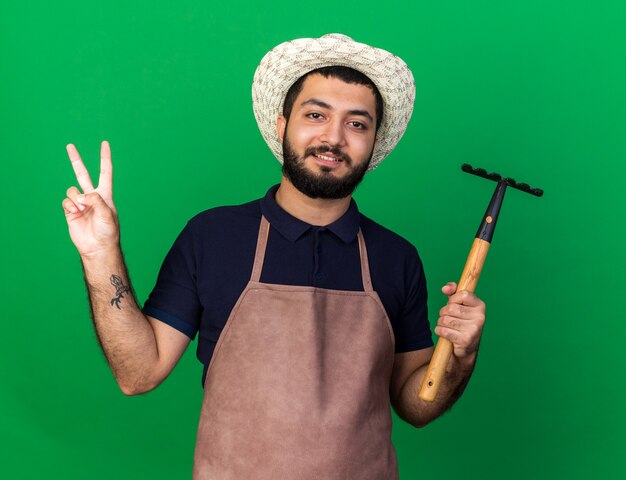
(328, 159)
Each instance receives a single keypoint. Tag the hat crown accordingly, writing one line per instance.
(338, 36)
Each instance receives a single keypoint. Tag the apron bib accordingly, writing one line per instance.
(298, 385)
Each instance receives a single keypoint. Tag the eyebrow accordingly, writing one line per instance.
(322, 104)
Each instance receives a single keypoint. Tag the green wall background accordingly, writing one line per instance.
(534, 90)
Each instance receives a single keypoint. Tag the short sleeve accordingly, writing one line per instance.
(411, 327)
(174, 299)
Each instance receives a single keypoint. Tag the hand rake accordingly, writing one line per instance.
(471, 272)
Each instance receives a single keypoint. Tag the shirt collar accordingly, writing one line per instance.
(346, 227)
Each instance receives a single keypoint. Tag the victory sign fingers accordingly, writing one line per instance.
(91, 215)
(105, 181)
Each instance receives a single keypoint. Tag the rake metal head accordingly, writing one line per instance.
(481, 172)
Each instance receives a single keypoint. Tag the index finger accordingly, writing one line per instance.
(465, 297)
(105, 182)
(82, 175)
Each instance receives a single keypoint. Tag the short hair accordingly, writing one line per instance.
(348, 75)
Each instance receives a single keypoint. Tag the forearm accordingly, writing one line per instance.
(419, 412)
(125, 334)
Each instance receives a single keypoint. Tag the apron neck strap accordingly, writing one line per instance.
(365, 265)
(261, 245)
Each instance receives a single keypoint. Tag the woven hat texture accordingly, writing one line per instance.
(281, 67)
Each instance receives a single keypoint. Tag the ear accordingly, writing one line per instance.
(281, 124)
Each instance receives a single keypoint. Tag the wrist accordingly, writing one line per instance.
(467, 363)
(105, 254)
(462, 364)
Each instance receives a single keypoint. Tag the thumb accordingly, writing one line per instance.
(449, 288)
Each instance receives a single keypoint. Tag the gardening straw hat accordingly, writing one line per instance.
(281, 67)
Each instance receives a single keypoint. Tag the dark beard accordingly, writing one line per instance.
(322, 185)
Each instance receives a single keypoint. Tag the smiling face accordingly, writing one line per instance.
(329, 137)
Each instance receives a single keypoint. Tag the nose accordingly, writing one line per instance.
(333, 134)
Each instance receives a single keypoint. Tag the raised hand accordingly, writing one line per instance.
(91, 215)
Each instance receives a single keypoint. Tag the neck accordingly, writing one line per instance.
(315, 211)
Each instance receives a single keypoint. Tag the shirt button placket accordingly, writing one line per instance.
(317, 249)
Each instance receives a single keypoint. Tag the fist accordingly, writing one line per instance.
(461, 321)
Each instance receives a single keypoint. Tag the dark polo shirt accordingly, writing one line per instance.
(211, 261)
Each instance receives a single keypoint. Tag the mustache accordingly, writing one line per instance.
(336, 151)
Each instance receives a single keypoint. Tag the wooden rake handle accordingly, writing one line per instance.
(443, 350)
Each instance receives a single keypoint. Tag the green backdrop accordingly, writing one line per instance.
(535, 90)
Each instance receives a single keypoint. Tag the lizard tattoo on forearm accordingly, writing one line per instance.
(120, 290)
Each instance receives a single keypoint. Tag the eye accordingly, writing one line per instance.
(315, 115)
(358, 125)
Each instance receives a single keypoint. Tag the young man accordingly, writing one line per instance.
(311, 317)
